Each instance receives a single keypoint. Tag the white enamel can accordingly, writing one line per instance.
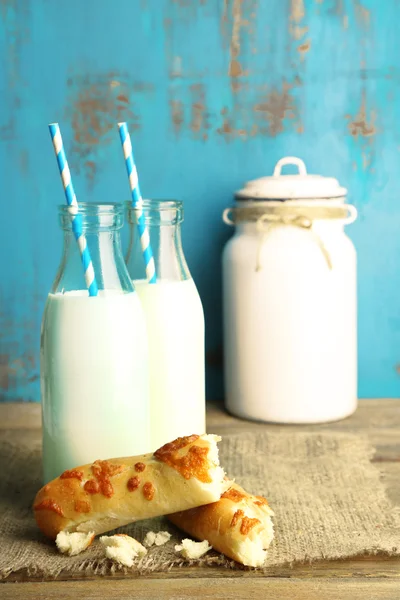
(290, 300)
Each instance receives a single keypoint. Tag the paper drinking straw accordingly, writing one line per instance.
(137, 202)
(76, 218)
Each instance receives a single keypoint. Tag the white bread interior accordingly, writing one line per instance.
(157, 539)
(122, 548)
(192, 550)
(73, 543)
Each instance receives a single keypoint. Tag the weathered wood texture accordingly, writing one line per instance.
(208, 589)
(364, 577)
(215, 92)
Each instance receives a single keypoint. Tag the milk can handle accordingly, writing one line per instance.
(290, 160)
(226, 216)
(352, 215)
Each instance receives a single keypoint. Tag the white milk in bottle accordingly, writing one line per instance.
(94, 363)
(175, 326)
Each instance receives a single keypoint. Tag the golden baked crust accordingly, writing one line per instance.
(238, 525)
(108, 493)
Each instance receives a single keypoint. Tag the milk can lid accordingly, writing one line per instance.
(291, 187)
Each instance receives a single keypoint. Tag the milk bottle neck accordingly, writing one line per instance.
(162, 220)
(101, 224)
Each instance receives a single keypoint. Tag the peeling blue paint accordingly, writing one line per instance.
(216, 91)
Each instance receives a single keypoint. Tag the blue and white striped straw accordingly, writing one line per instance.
(137, 202)
(76, 218)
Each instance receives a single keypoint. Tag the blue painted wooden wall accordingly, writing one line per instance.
(215, 91)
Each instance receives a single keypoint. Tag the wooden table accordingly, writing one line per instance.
(369, 578)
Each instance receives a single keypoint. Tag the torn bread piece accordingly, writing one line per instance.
(158, 539)
(122, 548)
(73, 543)
(190, 549)
(107, 494)
(239, 525)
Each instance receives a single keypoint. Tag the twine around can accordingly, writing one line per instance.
(278, 214)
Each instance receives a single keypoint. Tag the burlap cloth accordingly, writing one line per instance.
(328, 500)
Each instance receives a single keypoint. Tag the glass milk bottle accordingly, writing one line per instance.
(175, 324)
(94, 362)
(289, 300)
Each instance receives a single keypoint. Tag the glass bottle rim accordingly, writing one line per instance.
(168, 212)
(95, 217)
(158, 204)
(93, 208)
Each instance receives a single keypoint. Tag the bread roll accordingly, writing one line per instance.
(109, 493)
(239, 525)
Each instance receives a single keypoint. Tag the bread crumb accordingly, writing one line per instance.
(191, 549)
(122, 548)
(73, 543)
(149, 539)
(159, 539)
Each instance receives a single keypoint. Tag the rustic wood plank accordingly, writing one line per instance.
(372, 416)
(366, 566)
(20, 415)
(208, 589)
